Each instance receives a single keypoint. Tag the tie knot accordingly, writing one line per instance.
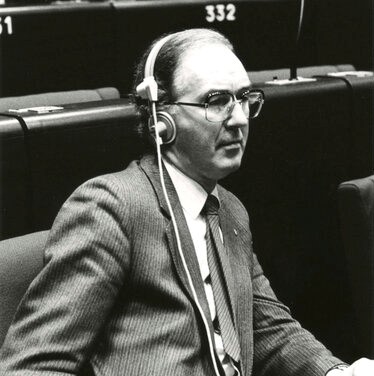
(211, 205)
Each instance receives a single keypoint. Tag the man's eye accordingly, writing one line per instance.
(247, 97)
(252, 97)
(219, 100)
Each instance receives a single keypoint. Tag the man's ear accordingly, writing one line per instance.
(166, 126)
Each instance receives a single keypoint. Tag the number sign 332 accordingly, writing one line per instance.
(220, 12)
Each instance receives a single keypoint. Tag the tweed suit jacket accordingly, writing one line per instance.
(113, 296)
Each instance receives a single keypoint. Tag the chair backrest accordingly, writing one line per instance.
(58, 98)
(21, 259)
(356, 209)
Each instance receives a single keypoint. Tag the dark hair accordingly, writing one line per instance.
(167, 64)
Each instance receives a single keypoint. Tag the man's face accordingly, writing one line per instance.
(208, 151)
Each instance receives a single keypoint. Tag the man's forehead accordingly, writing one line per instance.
(210, 67)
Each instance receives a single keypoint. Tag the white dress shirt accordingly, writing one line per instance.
(192, 197)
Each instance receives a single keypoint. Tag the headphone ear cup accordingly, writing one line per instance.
(166, 125)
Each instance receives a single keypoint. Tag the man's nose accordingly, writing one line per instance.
(237, 117)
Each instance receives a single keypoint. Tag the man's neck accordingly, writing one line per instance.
(207, 184)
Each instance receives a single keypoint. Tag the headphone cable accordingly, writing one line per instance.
(176, 231)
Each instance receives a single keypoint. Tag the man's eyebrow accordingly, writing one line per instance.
(240, 91)
(220, 91)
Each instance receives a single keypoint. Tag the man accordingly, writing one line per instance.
(122, 294)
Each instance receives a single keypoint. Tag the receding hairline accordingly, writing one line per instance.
(191, 40)
(198, 51)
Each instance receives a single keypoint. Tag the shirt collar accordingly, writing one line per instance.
(191, 194)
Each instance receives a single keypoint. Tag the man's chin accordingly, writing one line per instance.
(229, 167)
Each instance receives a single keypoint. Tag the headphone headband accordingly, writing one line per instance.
(151, 59)
(148, 88)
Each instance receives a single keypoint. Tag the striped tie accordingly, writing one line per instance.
(213, 241)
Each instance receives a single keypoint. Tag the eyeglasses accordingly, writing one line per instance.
(219, 105)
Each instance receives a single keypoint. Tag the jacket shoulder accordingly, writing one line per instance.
(232, 203)
(121, 194)
(130, 184)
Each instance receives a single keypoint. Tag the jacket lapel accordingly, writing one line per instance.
(148, 164)
(190, 259)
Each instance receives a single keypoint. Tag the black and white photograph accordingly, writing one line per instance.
(186, 187)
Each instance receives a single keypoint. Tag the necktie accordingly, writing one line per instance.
(213, 241)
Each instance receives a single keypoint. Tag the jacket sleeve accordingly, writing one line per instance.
(281, 346)
(67, 305)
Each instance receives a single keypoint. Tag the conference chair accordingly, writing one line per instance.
(356, 209)
(21, 259)
(58, 98)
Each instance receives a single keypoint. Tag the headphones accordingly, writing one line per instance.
(159, 121)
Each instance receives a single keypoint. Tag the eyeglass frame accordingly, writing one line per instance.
(235, 100)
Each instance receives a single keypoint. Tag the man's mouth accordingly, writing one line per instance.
(233, 143)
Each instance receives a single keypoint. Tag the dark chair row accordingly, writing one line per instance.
(28, 136)
(46, 155)
(72, 45)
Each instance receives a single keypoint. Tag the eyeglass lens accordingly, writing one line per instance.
(220, 105)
